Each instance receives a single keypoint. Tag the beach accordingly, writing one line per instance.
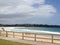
(39, 37)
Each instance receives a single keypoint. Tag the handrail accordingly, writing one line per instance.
(35, 35)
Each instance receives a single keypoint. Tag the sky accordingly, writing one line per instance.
(30, 12)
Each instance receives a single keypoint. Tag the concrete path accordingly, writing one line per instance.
(26, 41)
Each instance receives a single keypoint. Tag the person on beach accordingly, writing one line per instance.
(3, 29)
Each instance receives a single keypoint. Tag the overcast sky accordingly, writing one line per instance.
(30, 11)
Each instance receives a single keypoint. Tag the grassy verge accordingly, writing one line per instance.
(6, 42)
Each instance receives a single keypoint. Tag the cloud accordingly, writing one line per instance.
(19, 2)
(24, 9)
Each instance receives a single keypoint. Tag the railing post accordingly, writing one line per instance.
(13, 35)
(35, 37)
(6, 34)
(0, 33)
(52, 38)
(22, 35)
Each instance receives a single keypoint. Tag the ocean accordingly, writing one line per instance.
(34, 29)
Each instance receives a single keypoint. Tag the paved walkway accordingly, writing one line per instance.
(26, 41)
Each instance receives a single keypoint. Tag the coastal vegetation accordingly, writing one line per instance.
(28, 25)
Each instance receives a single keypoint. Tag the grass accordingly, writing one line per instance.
(6, 42)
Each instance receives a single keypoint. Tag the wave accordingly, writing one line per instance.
(37, 31)
(22, 29)
(49, 32)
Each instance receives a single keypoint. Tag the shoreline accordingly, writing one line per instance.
(30, 31)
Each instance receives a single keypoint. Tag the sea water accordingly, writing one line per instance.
(34, 29)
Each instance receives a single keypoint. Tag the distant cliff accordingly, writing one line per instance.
(28, 25)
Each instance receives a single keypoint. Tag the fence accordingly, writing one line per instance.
(53, 38)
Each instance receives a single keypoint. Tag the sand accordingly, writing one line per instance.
(29, 36)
